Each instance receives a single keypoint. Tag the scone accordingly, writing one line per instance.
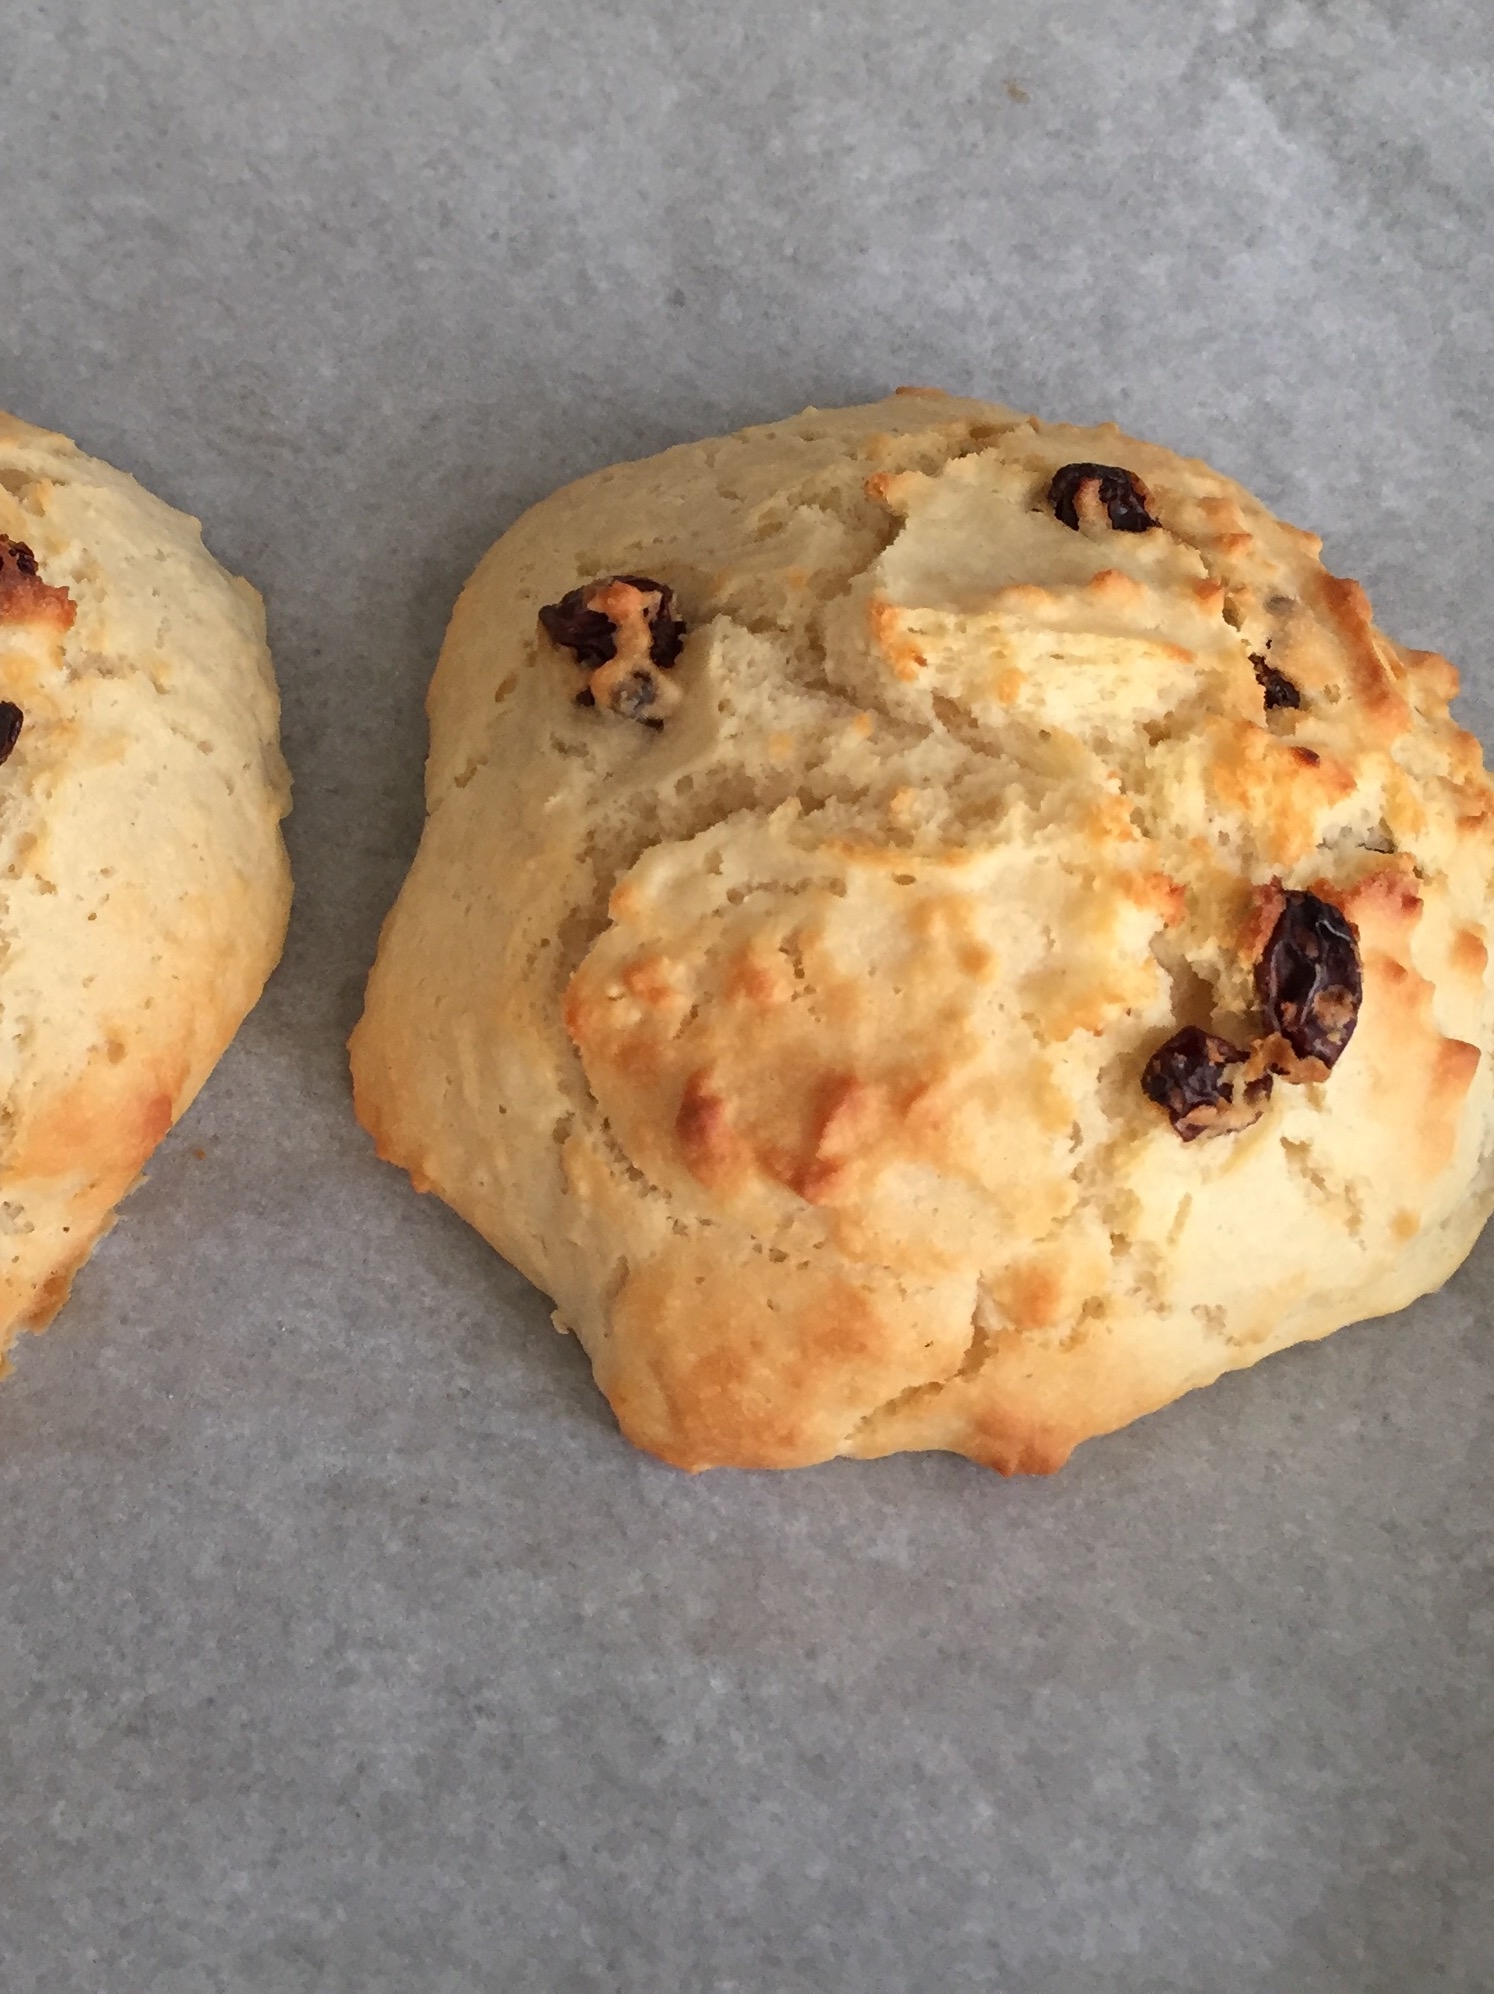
(936, 930)
(143, 883)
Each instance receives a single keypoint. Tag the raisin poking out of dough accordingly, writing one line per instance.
(23, 593)
(16, 558)
(1277, 687)
(1309, 979)
(623, 630)
(11, 718)
(1200, 1080)
(1082, 488)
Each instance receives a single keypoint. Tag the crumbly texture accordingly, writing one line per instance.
(143, 883)
(795, 1047)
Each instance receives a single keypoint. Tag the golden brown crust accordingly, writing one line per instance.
(797, 1050)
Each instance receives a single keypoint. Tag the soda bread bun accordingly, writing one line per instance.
(936, 930)
(143, 884)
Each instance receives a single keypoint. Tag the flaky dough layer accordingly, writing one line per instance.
(795, 1045)
(143, 883)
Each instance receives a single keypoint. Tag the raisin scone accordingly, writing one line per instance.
(936, 930)
(143, 883)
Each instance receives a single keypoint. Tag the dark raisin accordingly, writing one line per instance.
(592, 635)
(585, 631)
(24, 594)
(1309, 979)
(1199, 1079)
(1121, 492)
(1277, 687)
(17, 556)
(11, 718)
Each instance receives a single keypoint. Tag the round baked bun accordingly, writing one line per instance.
(936, 930)
(143, 883)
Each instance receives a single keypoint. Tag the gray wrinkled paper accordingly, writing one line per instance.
(343, 1644)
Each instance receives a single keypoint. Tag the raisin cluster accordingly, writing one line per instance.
(1310, 985)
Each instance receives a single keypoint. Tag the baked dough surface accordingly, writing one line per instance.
(144, 888)
(795, 1044)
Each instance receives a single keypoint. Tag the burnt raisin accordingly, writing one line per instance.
(1277, 687)
(1199, 1079)
(592, 635)
(1309, 979)
(11, 718)
(1120, 491)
